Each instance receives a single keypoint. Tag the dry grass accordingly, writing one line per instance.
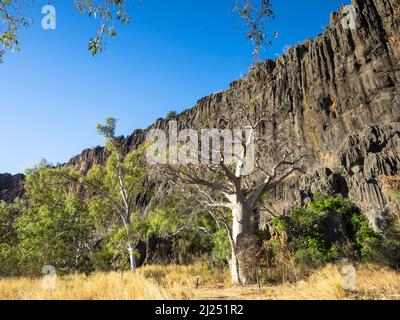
(391, 189)
(326, 284)
(195, 282)
(390, 183)
(373, 283)
(183, 282)
(101, 286)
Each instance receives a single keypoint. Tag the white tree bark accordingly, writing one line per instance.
(240, 229)
(239, 195)
(234, 267)
(132, 259)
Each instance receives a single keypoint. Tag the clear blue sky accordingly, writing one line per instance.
(173, 53)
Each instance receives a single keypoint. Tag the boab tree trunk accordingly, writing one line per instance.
(241, 228)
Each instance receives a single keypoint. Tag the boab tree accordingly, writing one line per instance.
(231, 176)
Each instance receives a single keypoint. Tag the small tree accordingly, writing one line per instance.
(8, 237)
(118, 184)
(183, 220)
(55, 228)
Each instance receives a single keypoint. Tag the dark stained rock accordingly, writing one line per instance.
(333, 227)
(11, 187)
(338, 94)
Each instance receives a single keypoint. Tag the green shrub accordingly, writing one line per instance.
(220, 248)
(390, 253)
(8, 237)
(309, 243)
(366, 240)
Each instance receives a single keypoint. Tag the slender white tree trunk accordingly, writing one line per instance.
(234, 267)
(132, 259)
(131, 247)
(240, 228)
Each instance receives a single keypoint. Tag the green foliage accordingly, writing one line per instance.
(316, 251)
(11, 20)
(59, 224)
(8, 237)
(281, 224)
(175, 215)
(192, 231)
(255, 15)
(390, 248)
(115, 189)
(308, 242)
(95, 45)
(104, 181)
(8, 215)
(52, 226)
(221, 250)
(108, 129)
(55, 229)
(366, 240)
(113, 254)
(109, 13)
(114, 11)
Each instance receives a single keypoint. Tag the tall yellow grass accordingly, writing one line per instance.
(196, 282)
(101, 286)
(184, 282)
(372, 283)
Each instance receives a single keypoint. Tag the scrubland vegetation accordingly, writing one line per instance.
(87, 226)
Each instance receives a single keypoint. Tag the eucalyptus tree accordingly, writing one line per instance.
(117, 185)
(54, 227)
(9, 212)
(15, 14)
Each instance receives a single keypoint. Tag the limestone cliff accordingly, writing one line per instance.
(338, 94)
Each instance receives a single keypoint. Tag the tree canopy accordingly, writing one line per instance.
(111, 13)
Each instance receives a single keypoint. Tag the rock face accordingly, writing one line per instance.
(366, 157)
(11, 187)
(338, 94)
